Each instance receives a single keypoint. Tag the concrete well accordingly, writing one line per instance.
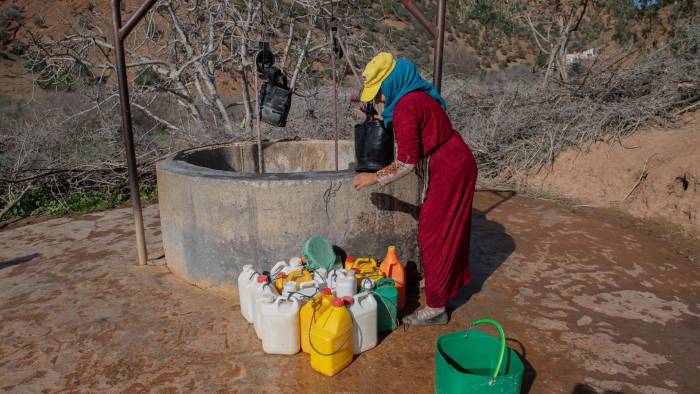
(218, 214)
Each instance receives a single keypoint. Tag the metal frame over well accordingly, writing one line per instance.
(437, 30)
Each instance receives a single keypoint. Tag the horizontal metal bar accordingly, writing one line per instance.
(421, 17)
(135, 19)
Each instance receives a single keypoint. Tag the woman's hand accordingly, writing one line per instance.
(363, 180)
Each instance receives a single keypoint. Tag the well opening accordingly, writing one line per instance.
(279, 157)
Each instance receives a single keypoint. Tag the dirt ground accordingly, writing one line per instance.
(594, 301)
(652, 174)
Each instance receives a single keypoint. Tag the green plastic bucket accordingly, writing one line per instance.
(474, 362)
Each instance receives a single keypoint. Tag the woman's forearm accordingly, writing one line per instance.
(393, 172)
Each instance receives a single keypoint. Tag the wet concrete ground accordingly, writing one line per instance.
(596, 302)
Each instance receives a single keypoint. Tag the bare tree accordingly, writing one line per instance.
(190, 52)
(554, 35)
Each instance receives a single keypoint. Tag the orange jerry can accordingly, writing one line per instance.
(392, 268)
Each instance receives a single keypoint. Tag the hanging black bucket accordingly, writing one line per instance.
(275, 98)
(264, 59)
(374, 144)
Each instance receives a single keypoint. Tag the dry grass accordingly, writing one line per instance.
(65, 144)
(518, 127)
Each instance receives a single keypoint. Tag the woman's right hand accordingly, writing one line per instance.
(364, 179)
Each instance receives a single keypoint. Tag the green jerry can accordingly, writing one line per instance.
(387, 304)
(474, 362)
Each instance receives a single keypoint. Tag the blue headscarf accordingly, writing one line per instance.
(404, 79)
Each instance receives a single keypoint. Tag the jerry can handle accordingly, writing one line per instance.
(502, 337)
(307, 284)
(280, 300)
(277, 268)
(361, 260)
(383, 281)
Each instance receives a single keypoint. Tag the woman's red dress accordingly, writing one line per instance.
(423, 130)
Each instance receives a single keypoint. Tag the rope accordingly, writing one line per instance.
(311, 321)
(330, 194)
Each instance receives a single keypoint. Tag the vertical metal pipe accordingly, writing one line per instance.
(128, 133)
(335, 102)
(439, 45)
(348, 59)
(257, 124)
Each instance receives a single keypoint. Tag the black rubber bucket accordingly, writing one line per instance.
(374, 146)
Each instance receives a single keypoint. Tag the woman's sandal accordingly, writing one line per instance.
(425, 317)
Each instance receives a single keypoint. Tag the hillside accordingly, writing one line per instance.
(481, 35)
(654, 174)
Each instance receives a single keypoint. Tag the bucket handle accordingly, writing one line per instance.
(502, 337)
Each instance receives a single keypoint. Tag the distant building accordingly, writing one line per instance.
(576, 57)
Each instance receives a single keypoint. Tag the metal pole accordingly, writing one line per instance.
(257, 124)
(439, 46)
(429, 26)
(135, 18)
(128, 133)
(348, 59)
(335, 102)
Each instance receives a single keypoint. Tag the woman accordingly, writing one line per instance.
(424, 135)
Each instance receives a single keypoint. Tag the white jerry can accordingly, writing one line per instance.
(307, 290)
(247, 282)
(294, 264)
(289, 289)
(302, 292)
(364, 322)
(264, 289)
(342, 282)
(321, 277)
(280, 321)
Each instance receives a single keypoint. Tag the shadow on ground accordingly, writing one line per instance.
(530, 374)
(490, 247)
(18, 260)
(582, 388)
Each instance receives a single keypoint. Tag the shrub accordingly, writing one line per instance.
(11, 14)
(147, 77)
(39, 22)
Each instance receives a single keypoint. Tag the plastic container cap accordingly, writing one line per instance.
(338, 302)
(357, 270)
(263, 279)
(350, 259)
(348, 300)
(326, 291)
